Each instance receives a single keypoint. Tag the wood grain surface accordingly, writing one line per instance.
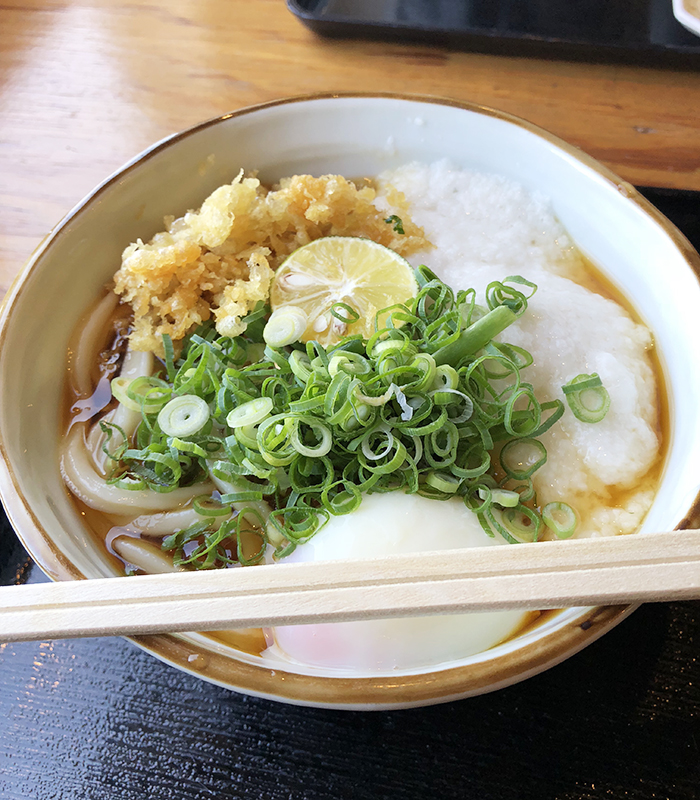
(85, 85)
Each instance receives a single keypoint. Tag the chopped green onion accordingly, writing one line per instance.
(169, 353)
(250, 413)
(397, 223)
(145, 394)
(273, 441)
(560, 518)
(300, 364)
(476, 336)
(587, 397)
(208, 507)
(247, 435)
(502, 497)
(319, 429)
(448, 484)
(184, 415)
(446, 377)
(521, 458)
(130, 482)
(285, 326)
(187, 447)
(115, 454)
(341, 502)
(348, 316)
(524, 523)
(351, 363)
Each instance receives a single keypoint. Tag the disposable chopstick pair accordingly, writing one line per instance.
(604, 571)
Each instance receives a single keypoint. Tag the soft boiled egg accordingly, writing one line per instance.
(387, 524)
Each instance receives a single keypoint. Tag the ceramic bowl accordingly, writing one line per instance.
(636, 247)
(687, 12)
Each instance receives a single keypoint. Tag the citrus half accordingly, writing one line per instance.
(360, 273)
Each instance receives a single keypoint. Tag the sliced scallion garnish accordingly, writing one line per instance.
(560, 518)
(250, 413)
(502, 497)
(587, 397)
(184, 415)
(521, 458)
(285, 326)
(524, 523)
(209, 507)
(147, 394)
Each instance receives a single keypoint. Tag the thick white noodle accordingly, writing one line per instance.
(88, 485)
(136, 365)
(167, 522)
(87, 344)
(144, 555)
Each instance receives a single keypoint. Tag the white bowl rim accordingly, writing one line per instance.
(687, 19)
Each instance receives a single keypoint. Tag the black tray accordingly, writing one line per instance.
(642, 31)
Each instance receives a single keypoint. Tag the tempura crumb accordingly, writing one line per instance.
(219, 261)
(242, 296)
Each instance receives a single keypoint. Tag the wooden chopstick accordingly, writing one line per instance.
(639, 568)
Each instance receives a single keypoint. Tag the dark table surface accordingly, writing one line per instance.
(98, 718)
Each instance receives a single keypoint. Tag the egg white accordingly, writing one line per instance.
(387, 524)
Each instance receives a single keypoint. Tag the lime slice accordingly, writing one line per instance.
(362, 274)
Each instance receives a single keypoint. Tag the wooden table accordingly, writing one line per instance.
(87, 84)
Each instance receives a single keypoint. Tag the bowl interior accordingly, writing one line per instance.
(634, 246)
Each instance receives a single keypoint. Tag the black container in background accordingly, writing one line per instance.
(640, 31)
